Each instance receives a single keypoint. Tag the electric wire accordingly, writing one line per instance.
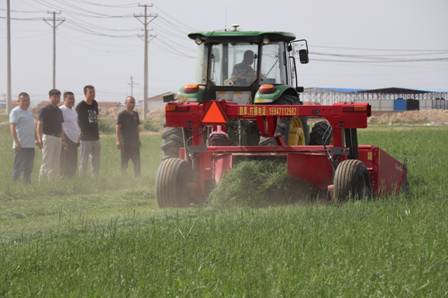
(174, 20)
(377, 49)
(130, 5)
(379, 61)
(172, 50)
(81, 14)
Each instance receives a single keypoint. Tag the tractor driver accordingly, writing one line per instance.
(243, 74)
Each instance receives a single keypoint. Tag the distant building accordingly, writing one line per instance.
(154, 102)
(382, 99)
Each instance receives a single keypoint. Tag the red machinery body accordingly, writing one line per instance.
(311, 164)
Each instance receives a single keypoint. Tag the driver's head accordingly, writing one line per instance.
(249, 57)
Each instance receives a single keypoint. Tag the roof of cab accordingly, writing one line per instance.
(250, 36)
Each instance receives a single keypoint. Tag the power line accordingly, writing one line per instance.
(174, 20)
(90, 26)
(377, 50)
(174, 51)
(184, 47)
(175, 33)
(24, 11)
(382, 56)
(71, 6)
(79, 28)
(385, 61)
(23, 19)
(89, 14)
(130, 5)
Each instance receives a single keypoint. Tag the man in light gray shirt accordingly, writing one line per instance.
(22, 128)
(70, 136)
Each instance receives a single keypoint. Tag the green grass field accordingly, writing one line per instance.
(106, 237)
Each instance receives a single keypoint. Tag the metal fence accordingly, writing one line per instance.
(379, 101)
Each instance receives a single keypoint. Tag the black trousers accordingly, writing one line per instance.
(130, 153)
(69, 157)
(23, 164)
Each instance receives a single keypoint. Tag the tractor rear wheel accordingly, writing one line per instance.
(172, 140)
(320, 133)
(173, 183)
(351, 181)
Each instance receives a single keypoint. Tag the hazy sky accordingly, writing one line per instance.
(93, 48)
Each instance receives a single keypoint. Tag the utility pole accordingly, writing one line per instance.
(54, 23)
(132, 83)
(8, 56)
(145, 19)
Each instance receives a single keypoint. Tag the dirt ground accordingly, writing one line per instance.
(429, 117)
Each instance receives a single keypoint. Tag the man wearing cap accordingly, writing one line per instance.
(70, 136)
(49, 130)
(21, 123)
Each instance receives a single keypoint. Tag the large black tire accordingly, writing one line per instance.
(284, 123)
(319, 131)
(173, 181)
(172, 140)
(351, 181)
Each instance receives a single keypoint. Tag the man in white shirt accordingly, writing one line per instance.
(70, 136)
(22, 128)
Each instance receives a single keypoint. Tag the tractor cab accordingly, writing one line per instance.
(246, 67)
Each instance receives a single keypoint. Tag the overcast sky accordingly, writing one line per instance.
(94, 48)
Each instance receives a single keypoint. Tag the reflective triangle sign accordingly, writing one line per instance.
(214, 115)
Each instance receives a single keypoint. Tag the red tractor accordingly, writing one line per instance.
(247, 106)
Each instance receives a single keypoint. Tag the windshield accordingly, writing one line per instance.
(233, 64)
(273, 63)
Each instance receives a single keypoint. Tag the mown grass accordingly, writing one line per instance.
(111, 240)
(259, 183)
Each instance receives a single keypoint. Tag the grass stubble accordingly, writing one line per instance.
(106, 237)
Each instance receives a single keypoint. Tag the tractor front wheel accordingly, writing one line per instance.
(172, 140)
(320, 133)
(351, 181)
(173, 183)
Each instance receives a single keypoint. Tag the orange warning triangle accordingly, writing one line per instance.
(214, 115)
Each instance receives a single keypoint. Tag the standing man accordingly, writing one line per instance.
(70, 136)
(90, 137)
(21, 124)
(49, 130)
(127, 136)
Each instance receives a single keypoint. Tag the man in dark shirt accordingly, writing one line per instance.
(88, 123)
(127, 136)
(49, 129)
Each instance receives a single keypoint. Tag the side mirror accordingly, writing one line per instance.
(300, 89)
(169, 97)
(303, 56)
(300, 49)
